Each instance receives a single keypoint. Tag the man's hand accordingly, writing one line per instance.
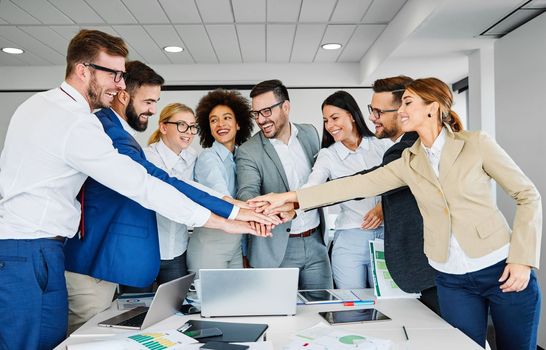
(251, 215)
(261, 230)
(286, 212)
(516, 276)
(274, 200)
(373, 218)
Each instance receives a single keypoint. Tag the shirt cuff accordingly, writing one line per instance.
(234, 213)
(200, 216)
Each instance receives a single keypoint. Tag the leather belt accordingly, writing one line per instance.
(303, 234)
(57, 238)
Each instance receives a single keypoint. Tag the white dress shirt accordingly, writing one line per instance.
(297, 168)
(52, 145)
(337, 161)
(173, 237)
(458, 262)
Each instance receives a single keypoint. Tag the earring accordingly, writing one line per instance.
(430, 116)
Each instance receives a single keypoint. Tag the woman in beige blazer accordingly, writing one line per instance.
(481, 263)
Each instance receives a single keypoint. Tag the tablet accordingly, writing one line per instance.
(353, 316)
(318, 296)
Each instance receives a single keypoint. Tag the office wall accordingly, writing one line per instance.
(520, 58)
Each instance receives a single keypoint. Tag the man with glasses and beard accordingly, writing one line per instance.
(53, 143)
(118, 241)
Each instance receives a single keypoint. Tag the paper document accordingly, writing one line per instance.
(384, 285)
(171, 339)
(321, 337)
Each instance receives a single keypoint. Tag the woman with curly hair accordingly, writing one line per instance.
(224, 121)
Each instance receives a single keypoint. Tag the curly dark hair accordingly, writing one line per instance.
(234, 100)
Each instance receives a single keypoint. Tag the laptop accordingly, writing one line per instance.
(248, 292)
(167, 300)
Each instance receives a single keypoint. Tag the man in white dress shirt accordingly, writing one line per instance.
(52, 145)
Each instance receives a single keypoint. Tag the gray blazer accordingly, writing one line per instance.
(260, 171)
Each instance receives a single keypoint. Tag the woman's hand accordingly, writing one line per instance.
(373, 218)
(268, 203)
(515, 277)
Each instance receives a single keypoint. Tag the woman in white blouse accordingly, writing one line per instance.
(169, 149)
(224, 122)
(348, 146)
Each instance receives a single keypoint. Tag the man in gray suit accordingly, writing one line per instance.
(279, 158)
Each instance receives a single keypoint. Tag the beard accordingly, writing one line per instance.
(133, 119)
(94, 93)
(386, 133)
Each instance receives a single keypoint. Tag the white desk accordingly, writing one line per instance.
(425, 329)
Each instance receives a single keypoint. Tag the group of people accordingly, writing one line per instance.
(418, 181)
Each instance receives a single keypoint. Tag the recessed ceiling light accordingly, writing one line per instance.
(12, 50)
(173, 49)
(331, 46)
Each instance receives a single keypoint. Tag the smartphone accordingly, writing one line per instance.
(216, 345)
(203, 333)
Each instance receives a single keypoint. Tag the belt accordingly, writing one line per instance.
(57, 238)
(303, 234)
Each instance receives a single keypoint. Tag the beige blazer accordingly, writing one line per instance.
(457, 202)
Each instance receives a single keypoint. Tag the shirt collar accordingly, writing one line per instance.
(75, 94)
(124, 124)
(438, 144)
(343, 152)
(221, 150)
(168, 156)
(399, 138)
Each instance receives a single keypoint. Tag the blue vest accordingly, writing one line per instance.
(120, 241)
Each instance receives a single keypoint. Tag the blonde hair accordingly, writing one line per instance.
(166, 113)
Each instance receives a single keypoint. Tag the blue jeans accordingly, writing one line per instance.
(33, 297)
(466, 299)
(351, 257)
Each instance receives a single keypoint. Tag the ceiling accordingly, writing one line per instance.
(210, 31)
(239, 40)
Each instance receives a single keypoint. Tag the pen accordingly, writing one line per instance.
(359, 302)
(405, 332)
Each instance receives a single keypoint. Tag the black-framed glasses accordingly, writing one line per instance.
(118, 74)
(376, 112)
(183, 127)
(265, 112)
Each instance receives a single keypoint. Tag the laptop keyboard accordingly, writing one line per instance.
(135, 321)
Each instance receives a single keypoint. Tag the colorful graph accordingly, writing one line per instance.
(153, 341)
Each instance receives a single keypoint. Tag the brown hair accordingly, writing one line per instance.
(232, 99)
(395, 85)
(166, 113)
(279, 90)
(87, 44)
(434, 90)
(139, 74)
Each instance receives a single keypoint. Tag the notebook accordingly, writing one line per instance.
(167, 300)
(248, 292)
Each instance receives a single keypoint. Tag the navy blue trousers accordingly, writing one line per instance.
(465, 301)
(33, 297)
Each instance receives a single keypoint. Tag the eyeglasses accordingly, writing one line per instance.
(118, 74)
(265, 112)
(182, 127)
(376, 112)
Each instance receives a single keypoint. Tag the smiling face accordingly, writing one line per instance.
(142, 106)
(276, 125)
(175, 140)
(340, 124)
(414, 112)
(388, 124)
(223, 125)
(101, 88)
